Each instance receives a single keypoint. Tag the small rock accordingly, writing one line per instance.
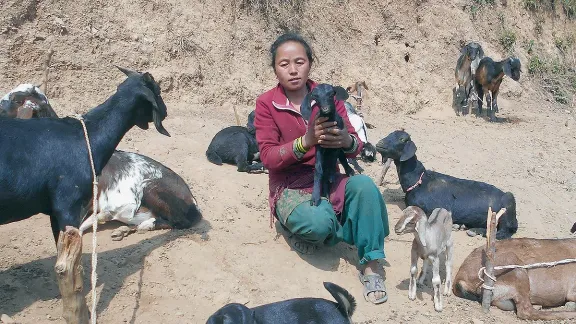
(471, 233)
(6, 319)
(476, 321)
(179, 314)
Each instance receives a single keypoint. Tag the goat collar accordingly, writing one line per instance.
(419, 182)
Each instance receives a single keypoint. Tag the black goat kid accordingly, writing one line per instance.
(468, 200)
(326, 158)
(236, 145)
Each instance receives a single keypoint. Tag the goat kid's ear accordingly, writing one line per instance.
(364, 84)
(340, 93)
(408, 152)
(419, 230)
(305, 108)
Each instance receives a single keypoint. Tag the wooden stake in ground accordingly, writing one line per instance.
(69, 274)
(46, 66)
(489, 251)
(236, 114)
(384, 171)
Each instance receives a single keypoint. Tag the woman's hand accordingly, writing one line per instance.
(327, 135)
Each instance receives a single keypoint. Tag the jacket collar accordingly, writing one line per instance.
(281, 102)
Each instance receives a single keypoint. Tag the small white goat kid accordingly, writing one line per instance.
(432, 236)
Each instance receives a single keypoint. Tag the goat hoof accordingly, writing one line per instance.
(120, 233)
(456, 227)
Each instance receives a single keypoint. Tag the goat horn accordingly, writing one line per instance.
(128, 72)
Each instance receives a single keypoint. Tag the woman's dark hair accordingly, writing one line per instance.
(287, 37)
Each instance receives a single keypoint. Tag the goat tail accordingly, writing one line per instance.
(346, 302)
(213, 157)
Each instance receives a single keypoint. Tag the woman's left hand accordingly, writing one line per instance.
(335, 138)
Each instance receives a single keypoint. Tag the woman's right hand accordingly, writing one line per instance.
(315, 130)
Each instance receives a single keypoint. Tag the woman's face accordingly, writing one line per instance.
(292, 66)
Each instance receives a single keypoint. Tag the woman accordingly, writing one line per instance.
(356, 212)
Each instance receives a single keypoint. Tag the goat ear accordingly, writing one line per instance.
(127, 71)
(340, 93)
(408, 152)
(364, 84)
(507, 67)
(420, 226)
(157, 114)
(305, 108)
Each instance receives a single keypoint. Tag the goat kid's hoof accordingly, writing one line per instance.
(121, 232)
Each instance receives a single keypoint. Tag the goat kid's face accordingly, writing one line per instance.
(150, 95)
(408, 223)
(396, 146)
(324, 95)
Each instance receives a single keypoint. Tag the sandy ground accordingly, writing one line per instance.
(233, 255)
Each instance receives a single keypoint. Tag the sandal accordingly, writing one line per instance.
(302, 246)
(373, 283)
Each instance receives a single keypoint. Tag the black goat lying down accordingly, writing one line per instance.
(132, 188)
(47, 170)
(297, 310)
(326, 158)
(468, 200)
(236, 145)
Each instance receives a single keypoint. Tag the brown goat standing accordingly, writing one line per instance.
(521, 288)
(488, 78)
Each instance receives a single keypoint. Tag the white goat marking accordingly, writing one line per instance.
(357, 122)
(122, 199)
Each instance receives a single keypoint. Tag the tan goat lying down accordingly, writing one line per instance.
(521, 288)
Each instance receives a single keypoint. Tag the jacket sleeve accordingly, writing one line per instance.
(272, 154)
(341, 110)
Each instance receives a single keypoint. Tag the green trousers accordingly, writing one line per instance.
(364, 220)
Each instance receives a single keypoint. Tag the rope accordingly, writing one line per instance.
(527, 266)
(94, 218)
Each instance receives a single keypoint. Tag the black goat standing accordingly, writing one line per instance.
(468, 200)
(47, 170)
(236, 145)
(326, 158)
(489, 76)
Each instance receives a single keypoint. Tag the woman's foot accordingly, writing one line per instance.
(374, 287)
